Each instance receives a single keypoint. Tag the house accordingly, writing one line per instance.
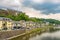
(5, 23)
(16, 25)
(30, 24)
(22, 23)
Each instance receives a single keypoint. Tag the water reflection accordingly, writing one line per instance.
(23, 38)
(47, 36)
(44, 36)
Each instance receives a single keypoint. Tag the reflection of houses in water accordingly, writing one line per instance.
(57, 26)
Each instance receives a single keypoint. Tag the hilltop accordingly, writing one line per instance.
(5, 12)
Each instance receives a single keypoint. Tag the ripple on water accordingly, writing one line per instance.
(47, 36)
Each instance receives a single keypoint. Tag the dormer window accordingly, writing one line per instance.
(3, 19)
(6, 19)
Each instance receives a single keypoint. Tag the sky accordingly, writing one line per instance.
(34, 8)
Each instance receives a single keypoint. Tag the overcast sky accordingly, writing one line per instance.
(35, 8)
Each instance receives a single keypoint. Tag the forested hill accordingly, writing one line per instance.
(17, 16)
(5, 12)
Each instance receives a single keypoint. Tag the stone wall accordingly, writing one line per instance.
(7, 34)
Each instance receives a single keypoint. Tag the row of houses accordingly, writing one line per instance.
(7, 23)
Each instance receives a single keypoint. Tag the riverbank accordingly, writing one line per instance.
(7, 34)
(40, 30)
(14, 34)
(27, 32)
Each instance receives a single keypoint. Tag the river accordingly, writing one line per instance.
(41, 36)
(47, 36)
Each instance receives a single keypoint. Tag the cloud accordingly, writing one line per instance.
(58, 8)
(54, 16)
(10, 3)
(38, 1)
(38, 14)
(46, 8)
(31, 12)
(44, 1)
(35, 8)
(55, 1)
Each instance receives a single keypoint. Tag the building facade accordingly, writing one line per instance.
(5, 23)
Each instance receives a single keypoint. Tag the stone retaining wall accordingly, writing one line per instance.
(7, 34)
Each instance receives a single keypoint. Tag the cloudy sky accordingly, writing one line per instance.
(35, 8)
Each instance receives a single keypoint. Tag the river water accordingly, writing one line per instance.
(47, 36)
(41, 36)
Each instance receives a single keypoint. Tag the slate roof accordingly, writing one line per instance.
(5, 19)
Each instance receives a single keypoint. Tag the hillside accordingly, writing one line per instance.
(8, 12)
(22, 16)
